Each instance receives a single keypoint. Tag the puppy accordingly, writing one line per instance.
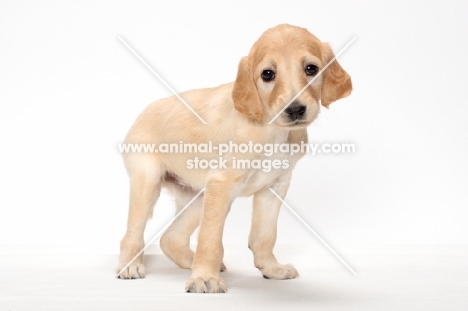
(280, 64)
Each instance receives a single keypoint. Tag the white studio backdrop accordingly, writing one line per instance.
(69, 91)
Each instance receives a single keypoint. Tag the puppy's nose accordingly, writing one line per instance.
(295, 111)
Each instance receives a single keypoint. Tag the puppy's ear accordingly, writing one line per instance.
(244, 94)
(336, 82)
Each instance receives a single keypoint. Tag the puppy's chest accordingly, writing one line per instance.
(266, 171)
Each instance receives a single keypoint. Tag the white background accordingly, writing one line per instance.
(69, 91)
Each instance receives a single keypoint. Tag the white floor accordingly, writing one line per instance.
(398, 278)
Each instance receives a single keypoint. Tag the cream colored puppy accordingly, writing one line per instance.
(279, 65)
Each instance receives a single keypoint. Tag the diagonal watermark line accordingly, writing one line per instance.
(160, 232)
(315, 233)
(313, 79)
(161, 79)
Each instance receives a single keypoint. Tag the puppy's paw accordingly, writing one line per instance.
(213, 284)
(133, 271)
(279, 272)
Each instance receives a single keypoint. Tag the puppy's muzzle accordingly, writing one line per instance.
(295, 112)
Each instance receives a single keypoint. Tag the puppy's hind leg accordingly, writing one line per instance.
(175, 242)
(145, 187)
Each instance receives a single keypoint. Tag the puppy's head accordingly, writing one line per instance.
(273, 78)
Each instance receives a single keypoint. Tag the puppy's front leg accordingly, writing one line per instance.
(262, 237)
(209, 254)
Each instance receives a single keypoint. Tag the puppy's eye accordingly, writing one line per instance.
(268, 75)
(311, 70)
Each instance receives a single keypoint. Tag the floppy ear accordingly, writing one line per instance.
(244, 93)
(336, 82)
